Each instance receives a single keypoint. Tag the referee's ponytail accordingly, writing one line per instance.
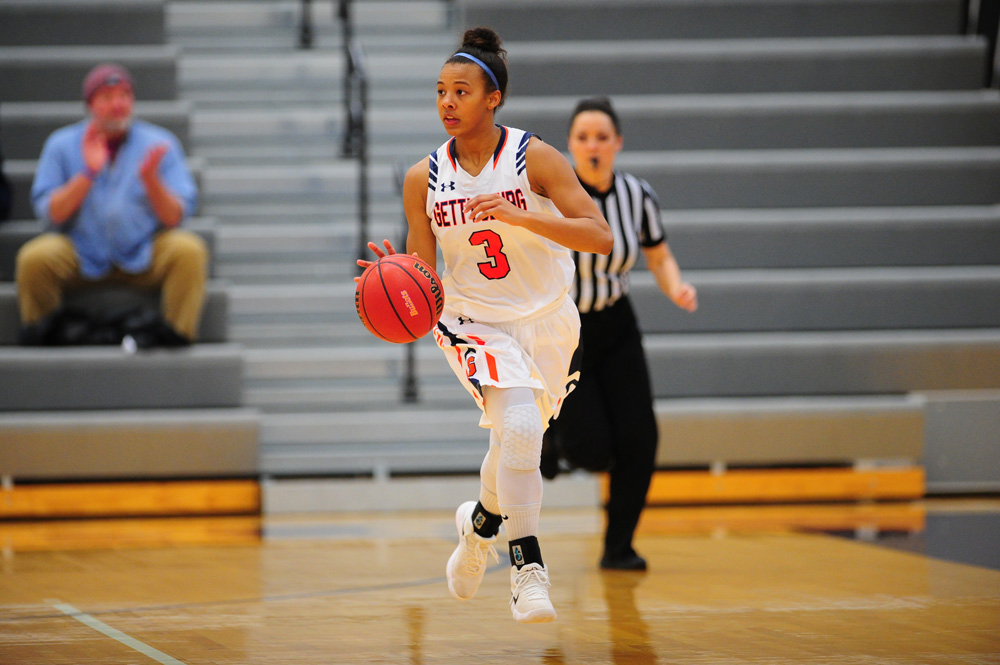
(482, 46)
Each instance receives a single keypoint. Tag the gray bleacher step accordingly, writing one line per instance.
(153, 443)
(682, 19)
(26, 125)
(250, 17)
(783, 431)
(373, 458)
(826, 299)
(298, 152)
(298, 239)
(288, 273)
(411, 425)
(82, 22)
(236, 213)
(327, 93)
(300, 70)
(356, 395)
(780, 120)
(834, 237)
(751, 65)
(326, 299)
(371, 360)
(267, 125)
(296, 132)
(296, 333)
(332, 181)
(55, 378)
(213, 327)
(55, 73)
(822, 363)
(811, 178)
(214, 39)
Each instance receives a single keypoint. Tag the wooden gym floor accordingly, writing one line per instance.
(726, 585)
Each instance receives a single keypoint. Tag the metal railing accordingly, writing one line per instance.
(355, 139)
(355, 133)
(410, 388)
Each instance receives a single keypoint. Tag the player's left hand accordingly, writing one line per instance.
(484, 206)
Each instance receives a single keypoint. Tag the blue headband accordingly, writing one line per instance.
(482, 64)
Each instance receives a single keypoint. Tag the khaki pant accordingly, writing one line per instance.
(47, 267)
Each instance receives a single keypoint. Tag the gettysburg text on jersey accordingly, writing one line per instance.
(452, 213)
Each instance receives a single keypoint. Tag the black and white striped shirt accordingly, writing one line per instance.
(633, 213)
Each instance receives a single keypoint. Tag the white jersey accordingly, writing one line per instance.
(493, 271)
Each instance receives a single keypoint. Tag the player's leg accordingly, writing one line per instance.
(518, 421)
(478, 525)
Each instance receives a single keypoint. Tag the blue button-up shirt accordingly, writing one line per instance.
(115, 224)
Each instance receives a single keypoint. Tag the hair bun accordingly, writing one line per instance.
(484, 39)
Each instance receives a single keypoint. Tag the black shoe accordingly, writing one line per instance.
(629, 561)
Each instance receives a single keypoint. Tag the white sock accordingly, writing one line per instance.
(488, 476)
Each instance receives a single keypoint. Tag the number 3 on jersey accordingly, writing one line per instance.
(497, 267)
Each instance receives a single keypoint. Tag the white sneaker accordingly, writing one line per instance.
(529, 594)
(467, 563)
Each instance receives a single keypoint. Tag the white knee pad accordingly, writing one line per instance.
(521, 448)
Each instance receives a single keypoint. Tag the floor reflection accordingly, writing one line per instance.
(630, 643)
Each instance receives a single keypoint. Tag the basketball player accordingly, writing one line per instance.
(506, 211)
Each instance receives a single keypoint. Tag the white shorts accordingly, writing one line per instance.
(536, 354)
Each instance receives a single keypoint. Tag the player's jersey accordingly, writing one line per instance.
(493, 271)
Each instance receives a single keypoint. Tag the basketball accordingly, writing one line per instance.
(399, 298)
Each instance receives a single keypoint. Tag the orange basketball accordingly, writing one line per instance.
(399, 298)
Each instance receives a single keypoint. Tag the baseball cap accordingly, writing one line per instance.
(108, 73)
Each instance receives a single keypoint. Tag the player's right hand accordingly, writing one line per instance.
(378, 252)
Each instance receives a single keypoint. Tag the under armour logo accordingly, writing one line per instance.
(462, 320)
(448, 186)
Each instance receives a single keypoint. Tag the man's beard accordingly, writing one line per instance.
(117, 126)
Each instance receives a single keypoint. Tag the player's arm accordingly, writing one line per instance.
(419, 238)
(582, 226)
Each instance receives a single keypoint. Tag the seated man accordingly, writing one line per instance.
(114, 191)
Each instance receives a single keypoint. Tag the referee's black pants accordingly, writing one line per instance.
(607, 422)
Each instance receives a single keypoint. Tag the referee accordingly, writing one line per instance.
(607, 422)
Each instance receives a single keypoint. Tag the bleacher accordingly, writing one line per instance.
(100, 416)
(828, 173)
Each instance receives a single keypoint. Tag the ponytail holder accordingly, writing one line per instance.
(482, 64)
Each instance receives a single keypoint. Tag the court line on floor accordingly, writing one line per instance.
(261, 599)
(114, 633)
